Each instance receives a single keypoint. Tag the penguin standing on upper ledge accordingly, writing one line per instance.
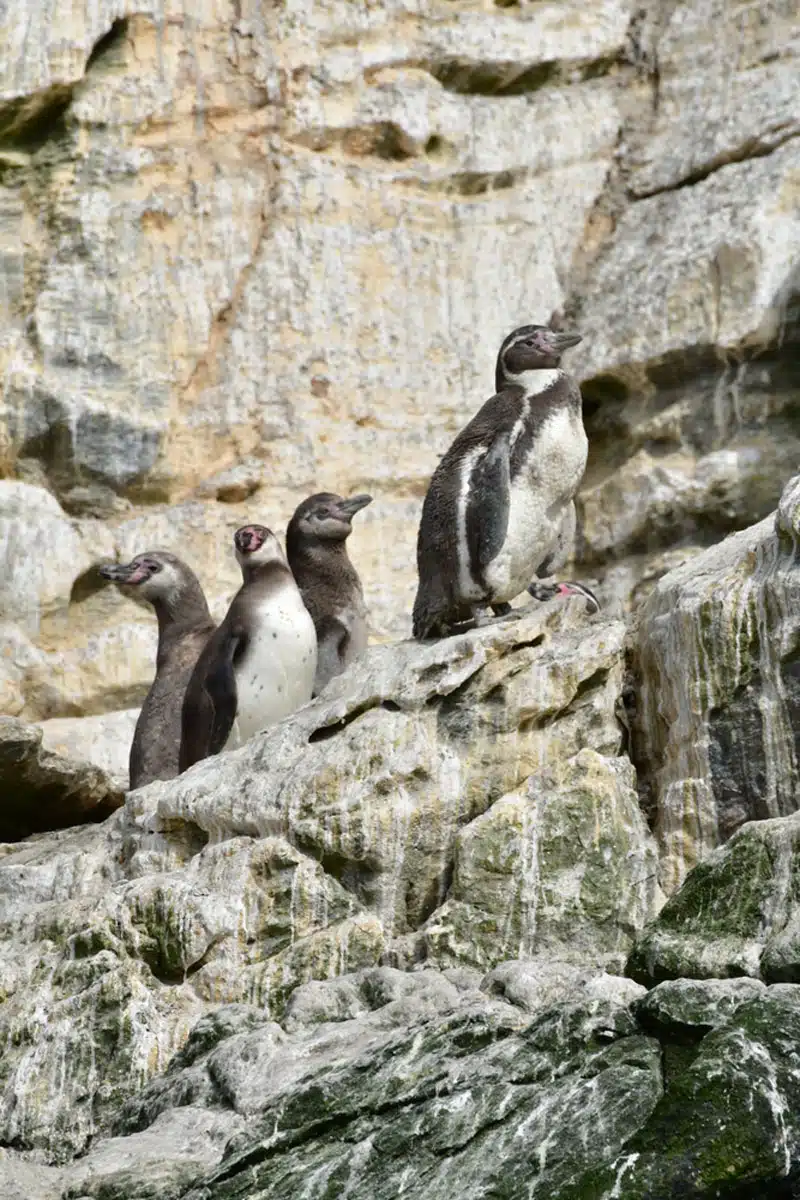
(502, 496)
(184, 627)
(260, 664)
(329, 584)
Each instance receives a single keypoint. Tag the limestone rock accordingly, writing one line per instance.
(735, 914)
(326, 845)
(43, 790)
(564, 865)
(728, 1118)
(748, 98)
(391, 775)
(163, 1161)
(22, 1180)
(45, 552)
(717, 721)
(721, 277)
(104, 740)
(692, 1006)
(237, 251)
(461, 1112)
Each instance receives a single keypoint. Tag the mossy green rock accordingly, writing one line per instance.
(736, 914)
(326, 845)
(728, 1124)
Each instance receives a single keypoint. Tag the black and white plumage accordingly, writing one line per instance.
(259, 666)
(567, 587)
(500, 503)
(184, 627)
(329, 584)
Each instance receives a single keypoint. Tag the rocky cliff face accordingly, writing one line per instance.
(252, 250)
(415, 934)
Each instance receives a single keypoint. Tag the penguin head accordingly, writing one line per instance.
(531, 348)
(546, 591)
(156, 575)
(326, 517)
(256, 546)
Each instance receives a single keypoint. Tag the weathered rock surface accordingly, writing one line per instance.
(735, 915)
(104, 740)
(385, 1082)
(42, 790)
(717, 732)
(330, 843)
(250, 251)
(239, 262)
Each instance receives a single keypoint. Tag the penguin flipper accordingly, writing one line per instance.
(209, 706)
(220, 687)
(489, 502)
(332, 641)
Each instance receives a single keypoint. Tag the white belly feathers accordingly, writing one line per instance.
(539, 497)
(276, 674)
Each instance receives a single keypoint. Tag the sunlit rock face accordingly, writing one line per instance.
(717, 727)
(253, 251)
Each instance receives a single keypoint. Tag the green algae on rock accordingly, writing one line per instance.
(736, 914)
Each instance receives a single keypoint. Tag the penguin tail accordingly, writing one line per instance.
(425, 618)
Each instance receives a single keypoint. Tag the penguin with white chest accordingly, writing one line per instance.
(501, 498)
(316, 548)
(260, 664)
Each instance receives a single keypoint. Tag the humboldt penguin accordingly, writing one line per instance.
(329, 584)
(501, 498)
(546, 591)
(184, 627)
(259, 666)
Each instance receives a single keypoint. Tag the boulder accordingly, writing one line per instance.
(104, 740)
(43, 790)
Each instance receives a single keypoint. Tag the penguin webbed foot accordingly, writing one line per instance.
(499, 612)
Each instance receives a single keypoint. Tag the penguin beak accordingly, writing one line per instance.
(562, 341)
(580, 589)
(120, 572)
(350, 507)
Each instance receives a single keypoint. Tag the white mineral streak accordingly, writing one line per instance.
(342, 835)
(725, 621)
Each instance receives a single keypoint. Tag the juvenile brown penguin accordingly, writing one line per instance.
(501, 499)
(259, 666)
(329, 584)
(184, 627)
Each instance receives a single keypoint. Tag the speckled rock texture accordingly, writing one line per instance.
(457, 804)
